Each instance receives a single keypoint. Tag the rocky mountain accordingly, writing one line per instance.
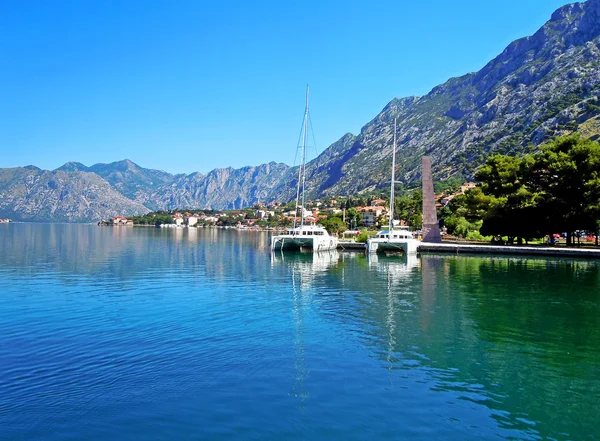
(539, 87)
(61, 196)
(73, 166)
(224, 188)
(127, 178)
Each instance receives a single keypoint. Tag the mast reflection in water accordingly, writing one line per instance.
(303, 268)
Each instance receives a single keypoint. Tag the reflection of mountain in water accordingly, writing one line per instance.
(516, 336)
(515, 340)
(127, 254)
(509, 333)
(527, 327)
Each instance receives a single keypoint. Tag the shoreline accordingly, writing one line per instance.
(458, 248)
(483, 249)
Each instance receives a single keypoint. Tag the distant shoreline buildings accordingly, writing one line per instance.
(371, 213)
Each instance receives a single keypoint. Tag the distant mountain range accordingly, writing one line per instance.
(539, 87)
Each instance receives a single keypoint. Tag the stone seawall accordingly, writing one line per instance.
(460, 248)
(456, 248)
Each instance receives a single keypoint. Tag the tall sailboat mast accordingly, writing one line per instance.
(393, 183)
(302, 168)
(304, 136)
(303, 237)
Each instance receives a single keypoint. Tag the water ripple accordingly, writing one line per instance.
(151, 334)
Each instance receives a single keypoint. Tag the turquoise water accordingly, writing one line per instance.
(155, 334)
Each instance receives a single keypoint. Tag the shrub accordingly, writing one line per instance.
(476, 235)
(364, 235)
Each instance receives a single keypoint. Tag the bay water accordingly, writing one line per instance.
(202, 334)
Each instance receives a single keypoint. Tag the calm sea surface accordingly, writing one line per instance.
(172, 334)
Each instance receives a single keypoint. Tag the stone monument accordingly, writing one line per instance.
(431, 229)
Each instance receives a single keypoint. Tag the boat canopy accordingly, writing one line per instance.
(396, 234)
(307, 231)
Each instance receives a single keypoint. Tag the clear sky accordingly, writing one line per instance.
(188, 86)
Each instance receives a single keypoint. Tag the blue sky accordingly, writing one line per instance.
(193, 85)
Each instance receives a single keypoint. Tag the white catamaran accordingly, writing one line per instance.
(395, 238)
(302, 236)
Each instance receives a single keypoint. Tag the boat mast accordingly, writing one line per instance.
(302, 168)
(392, 185)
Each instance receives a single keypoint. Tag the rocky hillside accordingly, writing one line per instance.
(224, 188)
(127, 178)
(540, 86)
(40, 195)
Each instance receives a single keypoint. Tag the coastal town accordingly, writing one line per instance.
(261, 216)
(355, 212)
(350, 217)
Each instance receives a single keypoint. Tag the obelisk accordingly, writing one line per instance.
(431, 229)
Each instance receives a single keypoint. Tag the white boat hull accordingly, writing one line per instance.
(287, 242)
(407, 246)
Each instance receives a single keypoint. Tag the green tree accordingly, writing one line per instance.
(501, 175)
(410, 209)
(511, 204)
(334, 225)
(353, 217)
(461, 227)
(566, 174)
(554, 190)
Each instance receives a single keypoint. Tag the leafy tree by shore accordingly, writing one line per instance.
(334, 225)
(554, 190)
(410, 208)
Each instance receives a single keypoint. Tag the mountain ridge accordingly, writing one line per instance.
(62, 196)
(538, 87)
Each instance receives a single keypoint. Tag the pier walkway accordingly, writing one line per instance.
(463, 248)
(459, 248)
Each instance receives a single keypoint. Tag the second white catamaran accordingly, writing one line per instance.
(302, 236)
(394, 238)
